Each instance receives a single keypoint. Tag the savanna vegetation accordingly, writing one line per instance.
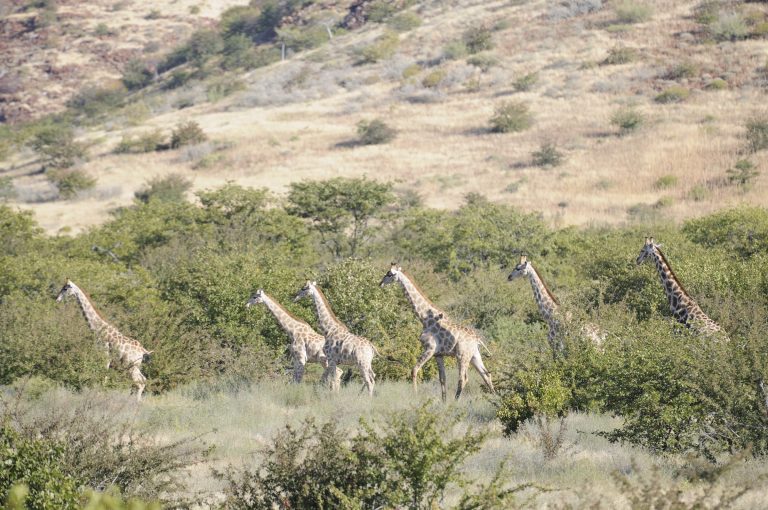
(176, 275)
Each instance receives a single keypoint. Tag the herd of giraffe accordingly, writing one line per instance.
(440, 336)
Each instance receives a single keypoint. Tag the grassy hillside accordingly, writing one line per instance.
(694, 73)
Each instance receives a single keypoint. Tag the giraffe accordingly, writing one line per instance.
(127, 352)
(441, 336)
(549, 307)
(342, 347)
(684, 309)
(306, 345)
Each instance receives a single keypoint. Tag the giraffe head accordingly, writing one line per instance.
(306, 290)
(67, 290)
(521, 269)
(648, 250)
(256, 298)
(391, 275)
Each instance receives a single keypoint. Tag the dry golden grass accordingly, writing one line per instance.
(443, 149)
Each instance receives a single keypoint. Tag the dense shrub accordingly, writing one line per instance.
(478, 38)
(171, 188)
(36, 463)
(70, 181)
(56, 146)
(511, 117)
(187, 133)
(673, 94)
(148, 142)
(757, 133)
(93, 101)
(547, 155)
(375, 132)
(404, 22)
(627, 120)
(383, 48)
(407, 462)
(570, 8)
(728, 26)
(742, 173)
(629, 11)
(340, 210)
(137, 75)
(620, 55)
(744, 231)
(525, 82)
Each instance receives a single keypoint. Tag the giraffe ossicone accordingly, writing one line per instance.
(441, 336)
(127, 352)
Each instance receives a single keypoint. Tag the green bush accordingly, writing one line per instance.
(340, 210)
(547, 155)
(729, 26)
(717, 84)
(527, 393)
(57, 148)
(148, 142)
(673, 94)
(94, 101)
(137, 75)
(433, 78)
(757, 133)
(187, 133)
(484, 61)
(743, 231)
(404, 22)
(742, 173)
(620, 55)
(383, 48)
(525, 82)
(375, 132)
(37, 464)
(455, 50)
(171, 188)
(681, 70)
(478, 38)
(511, 117)
(7, 189)
(629, 11)
(69, 182)
(406, 462)
(628, 120)
(666, 182)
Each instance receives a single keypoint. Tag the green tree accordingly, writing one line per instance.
(340, 209)
(57, 148)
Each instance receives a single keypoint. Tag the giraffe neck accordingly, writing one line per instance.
(95, 322)
(681, 304)
(289, 323)
(326, 319)
(544, 299)
(423, 308)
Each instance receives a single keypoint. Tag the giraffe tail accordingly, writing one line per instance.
(146, 358)
(480, 341)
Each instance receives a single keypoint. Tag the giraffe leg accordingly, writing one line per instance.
(463, 369)
(477, 362)
(441, 372)
(334, 371)
(428, 353)
(298, 371)
(139, 380)
(368, 377)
